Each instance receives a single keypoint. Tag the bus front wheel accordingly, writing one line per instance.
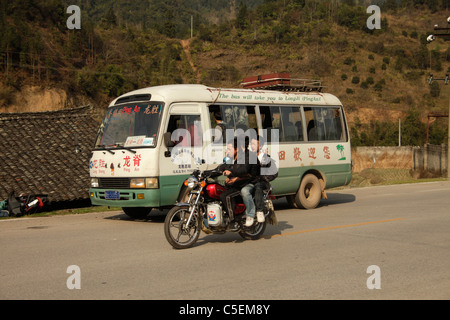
(137, 212)
(309, 193)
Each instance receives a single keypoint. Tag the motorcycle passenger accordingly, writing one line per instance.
(252, 159)
(239, 173)
(269, 172)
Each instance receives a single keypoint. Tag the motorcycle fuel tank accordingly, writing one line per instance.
(214, 190)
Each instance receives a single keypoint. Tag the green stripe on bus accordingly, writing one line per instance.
(287, 182)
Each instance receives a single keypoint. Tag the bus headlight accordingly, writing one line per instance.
(141, 183)
(137, 183)
(94, 183)
(151, 183)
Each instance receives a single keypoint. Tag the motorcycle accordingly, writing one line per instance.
(204, 212)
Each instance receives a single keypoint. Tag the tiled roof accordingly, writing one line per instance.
(47, 152)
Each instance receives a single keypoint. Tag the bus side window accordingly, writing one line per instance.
(282, 124)
(311, 127)
(216, 120)
(292, 124)
(270, 123)
(238, 118)
(324, 124)
(190, 133)
(334, 125)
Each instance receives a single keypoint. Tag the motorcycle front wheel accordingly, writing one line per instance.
(177, 232)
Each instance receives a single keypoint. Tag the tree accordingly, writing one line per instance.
(169, 28)
(110, 19)
(413, 130)
(241, 19)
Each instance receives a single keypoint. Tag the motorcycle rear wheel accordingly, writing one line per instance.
(254, 232)
(177, 233)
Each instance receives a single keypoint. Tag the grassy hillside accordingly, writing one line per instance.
(379, 75)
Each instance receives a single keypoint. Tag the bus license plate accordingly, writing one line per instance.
(112, 195)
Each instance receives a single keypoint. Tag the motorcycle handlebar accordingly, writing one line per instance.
(211, 173)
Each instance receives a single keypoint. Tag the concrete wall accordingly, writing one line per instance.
(430, 158)
(383, 157)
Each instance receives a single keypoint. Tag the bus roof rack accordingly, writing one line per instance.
(282, 82)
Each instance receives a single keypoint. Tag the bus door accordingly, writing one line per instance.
(185, 124)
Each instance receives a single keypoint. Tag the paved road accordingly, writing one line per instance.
(324, 253)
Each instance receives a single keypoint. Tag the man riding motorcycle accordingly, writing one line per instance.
(243, 169)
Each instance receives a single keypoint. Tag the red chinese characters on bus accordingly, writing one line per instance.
(297, 154)
(312, 152)
(127, 110)
(128, 161)
(326, 152)
(137, 160)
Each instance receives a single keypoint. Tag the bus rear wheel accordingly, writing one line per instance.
(309, 193)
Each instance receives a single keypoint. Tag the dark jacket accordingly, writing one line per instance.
(269, 169)
(246, 167)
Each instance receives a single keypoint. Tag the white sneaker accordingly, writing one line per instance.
(249, 221)
(260, 216)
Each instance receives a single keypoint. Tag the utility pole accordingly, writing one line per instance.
(446, 37)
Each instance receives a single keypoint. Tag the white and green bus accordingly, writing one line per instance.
(152, 139)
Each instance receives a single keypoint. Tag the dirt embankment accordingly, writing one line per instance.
(186, 44)
(37, 99)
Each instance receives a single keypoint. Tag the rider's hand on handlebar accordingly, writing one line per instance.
(230, 180)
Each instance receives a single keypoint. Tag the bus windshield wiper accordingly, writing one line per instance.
(103, 147)
(126, 148)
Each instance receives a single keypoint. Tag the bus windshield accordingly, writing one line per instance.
(131, 125)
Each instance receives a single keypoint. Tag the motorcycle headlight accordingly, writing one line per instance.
(192, 182)
(94, 183)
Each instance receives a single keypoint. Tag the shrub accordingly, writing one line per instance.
(348, 61)
(435, 90)
(6, 96)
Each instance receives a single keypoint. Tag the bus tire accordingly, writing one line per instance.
(291, 201)
(137, 212)
(309, 193)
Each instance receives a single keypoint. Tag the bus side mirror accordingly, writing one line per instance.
(167, 140)
(168, 143)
